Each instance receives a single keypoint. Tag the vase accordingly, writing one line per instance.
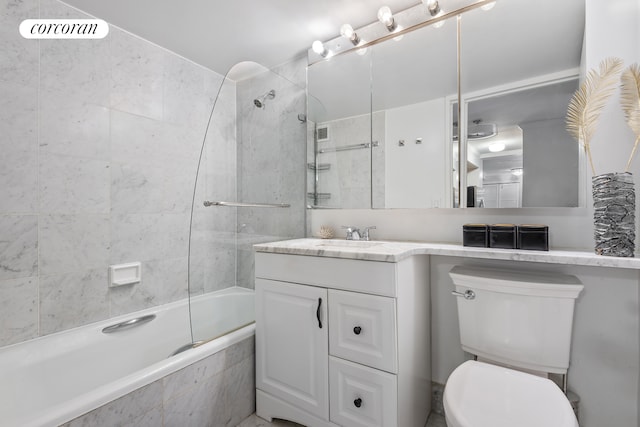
(614, 204)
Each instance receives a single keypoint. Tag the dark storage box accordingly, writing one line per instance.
(476, 235)
(502, 236)
(534, 237)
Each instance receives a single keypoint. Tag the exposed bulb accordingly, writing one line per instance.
(318, 47)
(432, 6)
(386, 17)
(488, 6)
(496, 147)
(347, 31)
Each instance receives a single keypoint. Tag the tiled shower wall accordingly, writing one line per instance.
(99, 142)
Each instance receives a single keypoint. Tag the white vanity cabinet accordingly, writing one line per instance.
(343, 342)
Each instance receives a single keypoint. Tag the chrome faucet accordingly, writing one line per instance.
(365, 233)
(354, 233)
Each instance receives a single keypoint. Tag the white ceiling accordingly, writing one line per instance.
(219, 34)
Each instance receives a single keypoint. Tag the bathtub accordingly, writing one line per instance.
(53, 379)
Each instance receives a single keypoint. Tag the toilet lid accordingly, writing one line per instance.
(482, 395)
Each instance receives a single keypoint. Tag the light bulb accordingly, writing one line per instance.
(488, 6)
(386, 17)
(496, 147)
(432, 6)
(318, 47)
(347, 32)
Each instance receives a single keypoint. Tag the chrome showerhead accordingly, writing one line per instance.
(260, 101)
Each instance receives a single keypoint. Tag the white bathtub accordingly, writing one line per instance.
(50, 380)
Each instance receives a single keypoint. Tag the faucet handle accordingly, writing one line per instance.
(352, 232)
(365, 232)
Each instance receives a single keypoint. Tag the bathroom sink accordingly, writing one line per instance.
(348, 244)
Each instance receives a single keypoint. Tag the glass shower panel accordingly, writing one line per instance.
(249, 189)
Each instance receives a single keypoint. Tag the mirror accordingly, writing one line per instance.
(410, 92)
(515, 93)
(339, 135)
(512, 84)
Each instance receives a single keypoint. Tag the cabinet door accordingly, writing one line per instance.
(292, 344)
(363, 329)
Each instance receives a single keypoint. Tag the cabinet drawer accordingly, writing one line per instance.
(371, 277)
(362, 328)
(361, 396)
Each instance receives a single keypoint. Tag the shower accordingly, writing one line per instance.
(260, 101)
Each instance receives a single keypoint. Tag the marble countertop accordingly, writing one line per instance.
(389, 251)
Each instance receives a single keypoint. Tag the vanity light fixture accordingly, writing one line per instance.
(318, 47)
(438, 24)
(496, 147)
(347, 32)
(432, 6)
(386, 17)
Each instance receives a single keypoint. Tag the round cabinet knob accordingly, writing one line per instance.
(357, 330)
(358, 402)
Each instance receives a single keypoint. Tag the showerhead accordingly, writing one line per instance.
(260, 101)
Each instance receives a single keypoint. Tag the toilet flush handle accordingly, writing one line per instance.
(468, 294)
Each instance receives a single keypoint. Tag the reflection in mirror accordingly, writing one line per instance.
(412, 78)
(520, 131)
(339, 140)
(515, 92)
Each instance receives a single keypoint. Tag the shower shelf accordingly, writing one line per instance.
(247, 205)
(320, 167)
(348, 147)
(320, 196)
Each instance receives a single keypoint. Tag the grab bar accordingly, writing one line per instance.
(247, 205)
(128, 324)
(348, 147)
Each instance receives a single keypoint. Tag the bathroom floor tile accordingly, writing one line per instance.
(435, 420)
(255, 421)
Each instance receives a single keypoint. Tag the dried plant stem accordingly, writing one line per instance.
(587, 150)
(633, 153)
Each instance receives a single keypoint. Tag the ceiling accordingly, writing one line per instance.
(218, 34)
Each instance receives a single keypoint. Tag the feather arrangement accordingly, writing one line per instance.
(630, 101)
(589, 100)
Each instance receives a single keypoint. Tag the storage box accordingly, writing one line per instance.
(476, 235)
(533, 237)
(502, 236)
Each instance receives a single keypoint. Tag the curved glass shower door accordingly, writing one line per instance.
(249, 189)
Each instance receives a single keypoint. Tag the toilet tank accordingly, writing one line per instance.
(522, 319)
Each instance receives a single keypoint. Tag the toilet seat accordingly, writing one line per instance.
(478, 394)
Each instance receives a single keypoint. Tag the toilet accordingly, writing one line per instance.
(518, 326)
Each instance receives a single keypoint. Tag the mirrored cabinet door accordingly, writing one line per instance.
(519, 71)
(388, 128)
(414, 79)
(339, 140)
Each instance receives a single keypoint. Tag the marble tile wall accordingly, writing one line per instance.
(218, 391)
(100, 141)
